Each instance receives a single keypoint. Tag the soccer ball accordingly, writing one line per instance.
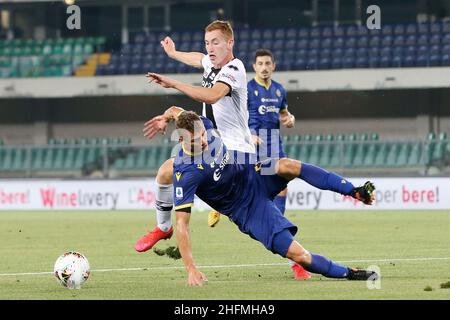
(72, 269)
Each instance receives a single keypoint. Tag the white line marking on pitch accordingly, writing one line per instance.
(227, 266)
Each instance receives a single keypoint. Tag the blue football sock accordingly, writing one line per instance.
(322, 265)
(280, 203)
(325, 180)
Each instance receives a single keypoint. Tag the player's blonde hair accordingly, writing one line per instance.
(223, 26)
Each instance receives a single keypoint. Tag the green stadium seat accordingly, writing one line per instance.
(404, 153)
(381, 155)
(88, 48)
(392, 154)
(415, 156)
(140, 159)
(69, 160)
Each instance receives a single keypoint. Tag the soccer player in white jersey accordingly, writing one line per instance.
(224, 88)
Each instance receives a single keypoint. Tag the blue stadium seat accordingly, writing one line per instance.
(397, 51)
(423, 28)
(242, 45)
(434, 60)
(256, 34)
(327, 43)
(111, 69)
(149, 48)
(399, 40)
(279, 44)
(315, 32)
(386, 52)
(290, 44)
(267, 44)
(198, 36)
(363, 31)
(302, 53)
(435, 27)
(279, 55)
(338, 42)
(337, 52)
(302, 44)
(267, 34)
(151, 37)
(350, 42)
(280, 33)
(422, 40)
(348, 62)
(198, 46)
(176, 36)
(101, 70)
(384, 62)
(135, 68)
(410, 50)
(140, 38)
(336, 62)
(244, 34)
(349, 52)
(126, 48)
(254, 45)
(445, 60)
(184, 46)
(361, 52)
(399, 29)
(446, 39)
(374, 41)
(352, 31)
(421, 60)
(374, 52)
(313, 54)
(312, 64)
(422, 50)
(324, 63)
(362, 41)
(186, 36)
(300, 64)
(122, 69)
(325, 53)
(303, 33)
(374, 61)
(314, 43)
(446, 49)
(411, 28)
(292, 33)
(435, 50)
(289, 56)
(409, 61)
(339, 31)
(327, 32)
(435, 39)
(411, 40)
(396, 61)
(446, 26)
(386, 41)
(362, 62)
(387, 29)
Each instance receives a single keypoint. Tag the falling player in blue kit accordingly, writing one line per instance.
(203, 166)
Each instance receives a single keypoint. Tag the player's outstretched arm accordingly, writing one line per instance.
(159, 123)
(195, 277)
(287, 118)
(193, 59)
(201, 94)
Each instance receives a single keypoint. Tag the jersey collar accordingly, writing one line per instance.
(263, 84)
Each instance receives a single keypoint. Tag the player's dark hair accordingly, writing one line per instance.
(186, 120)
(264, 53)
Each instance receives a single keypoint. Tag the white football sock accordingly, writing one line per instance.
(164, 205)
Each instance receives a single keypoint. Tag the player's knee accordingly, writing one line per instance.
(288, 168)
(165, 173)
(298, 254)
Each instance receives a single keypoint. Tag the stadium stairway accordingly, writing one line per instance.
(89, 68)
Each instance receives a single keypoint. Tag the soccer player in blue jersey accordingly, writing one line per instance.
(204, 166)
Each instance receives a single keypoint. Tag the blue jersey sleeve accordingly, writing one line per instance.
(253, 116)
(184, 187)
(284, 103)
(207, 123)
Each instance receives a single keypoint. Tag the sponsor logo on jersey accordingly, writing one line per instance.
(218, 172)
(178, 175)
(262, 109)
(228, 76)
(233, 67)
(278, 93)
(179, 192)
(269, 100)
(256, 92)
(199, 166)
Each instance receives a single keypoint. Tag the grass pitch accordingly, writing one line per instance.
(410, 248)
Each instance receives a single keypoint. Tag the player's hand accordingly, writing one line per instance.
(256, 140)
(288, 121)
(155, 125)
(168, 46)
(196, 278)
(163, 81)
